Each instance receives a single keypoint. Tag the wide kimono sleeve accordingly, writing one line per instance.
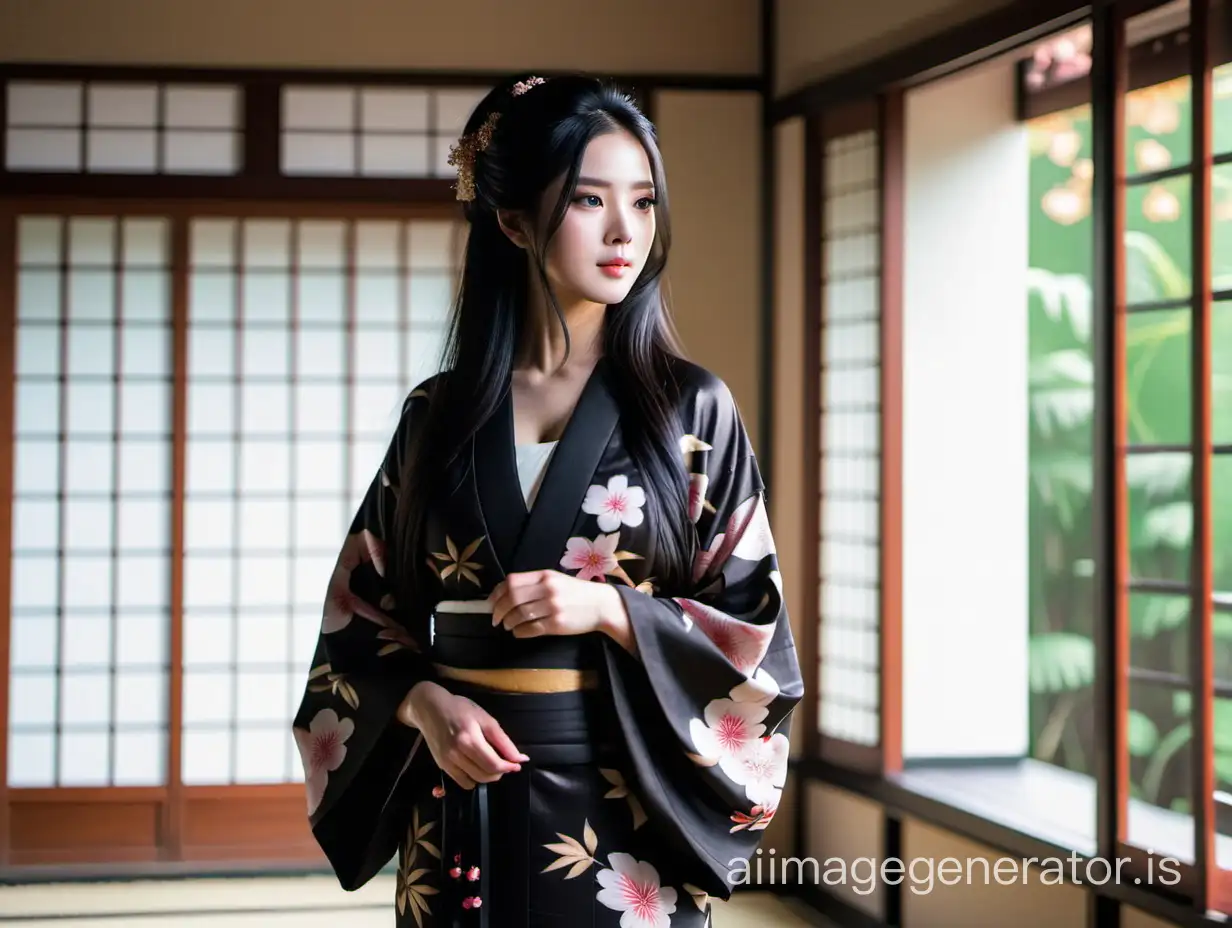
(370, 651)
(705, 704)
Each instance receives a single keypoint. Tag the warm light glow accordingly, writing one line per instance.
(1161, 205)
(1152, 156)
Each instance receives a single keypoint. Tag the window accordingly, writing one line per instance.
(113, 127)
(205, 398)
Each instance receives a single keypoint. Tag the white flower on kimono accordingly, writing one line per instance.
(763, 769)
(594, 559)
(742, 643)
(728, 728)
(341, 605)
(750, 527)
(322, 749)
(632, 886)
(761, 689)
(616, 505)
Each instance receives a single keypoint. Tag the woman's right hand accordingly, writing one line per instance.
(465, 741)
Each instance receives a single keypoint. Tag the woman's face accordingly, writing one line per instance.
(605, 236)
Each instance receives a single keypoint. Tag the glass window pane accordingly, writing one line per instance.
(199, 152)
(266, 297)
(145, 242)
(319, 466)
(261, 756)
(141, 641)
(36, 525)
(1221, 219)
(266, 409)
(44, 103)
(320, 524)
(43, 150)
(143, 582)
(38, 408)
(216, 107)
(145, 525)
(267, 353)
(211, 296)
(38, 296)
(311, 575)
(208, 638)
(122, 104)
(92, 241)
(140, 758)
(265, 525)
(36, 466)
(38, 240)
(318, 107)
(454, 106)
(322, 243)
(91, 351)
(145, 466)
(322, 297)
(376, 354)
(89, 466)
(145, 408)
(146, 296)
(267, 244)
(207, 698)
(122, 150)
(394, 109)
(207, 525)
(211, 352)
(31, 759)
(260, 696)
(83, 759)
(86, 698)
(38, 350)
(1158, 245)
(88, 525)
(87, 640)
(33, 642)
(1157, 359)
(211, 409)
(318, 153)
(319, 409)
(1221, 543)
(35, 581)
(211, 466)
(140, 698)
(375, 408)
(212, 243)
(395, 156)
(430, 297)
(87, 581)
(207, 581)
(264, 466)
(91, 408)
(32, 699)
(264, 638)
(91, 295)
(376, 244)
(207, 757)
(264, 581)
(146, 351)
(1160, 755)
(376, 299)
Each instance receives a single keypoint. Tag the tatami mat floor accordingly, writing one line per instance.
(277, 902)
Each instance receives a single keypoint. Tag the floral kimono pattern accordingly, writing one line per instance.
(644, 797)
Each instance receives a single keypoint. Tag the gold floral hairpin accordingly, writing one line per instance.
(462, 154)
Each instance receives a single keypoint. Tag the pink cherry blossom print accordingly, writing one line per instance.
(742, 643)
(341, 605)
(761, 689)
(593, 559)
(698, 483)
(632, 886)
(616, 505)
(753, 538)
(322, 749)
(704, 559)
(728, 728)
(763, 764)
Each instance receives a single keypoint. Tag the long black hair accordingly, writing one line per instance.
(540, 136)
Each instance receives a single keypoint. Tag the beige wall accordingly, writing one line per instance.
(816, 40)
(719, 36)
(712, 156)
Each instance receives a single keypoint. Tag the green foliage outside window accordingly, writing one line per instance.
(1158, 256)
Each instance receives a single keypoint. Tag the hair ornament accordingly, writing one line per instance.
(462, 155)
(522, 86)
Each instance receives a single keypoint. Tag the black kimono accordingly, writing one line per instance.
(648, 787)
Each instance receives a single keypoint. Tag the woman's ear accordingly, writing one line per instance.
(512, 224)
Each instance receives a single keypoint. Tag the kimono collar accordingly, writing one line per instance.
(534, 540)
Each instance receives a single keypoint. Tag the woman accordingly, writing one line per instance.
(555, 670)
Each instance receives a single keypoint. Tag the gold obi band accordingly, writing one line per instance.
(512, 679)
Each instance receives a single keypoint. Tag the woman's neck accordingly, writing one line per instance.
(542, 348)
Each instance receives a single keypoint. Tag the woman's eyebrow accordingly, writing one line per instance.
(595, 182)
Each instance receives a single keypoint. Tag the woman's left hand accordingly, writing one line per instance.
(548, 602)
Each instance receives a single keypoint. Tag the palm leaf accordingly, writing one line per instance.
(1061, 662)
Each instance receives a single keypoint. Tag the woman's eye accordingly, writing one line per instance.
(646, 202)
(589, 199)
